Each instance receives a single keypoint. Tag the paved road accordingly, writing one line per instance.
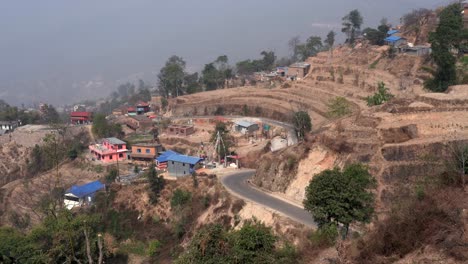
(237, 183)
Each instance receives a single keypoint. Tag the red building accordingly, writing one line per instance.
(77, 118)
(110, 150)
(142, 107)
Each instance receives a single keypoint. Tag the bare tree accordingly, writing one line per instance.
(459, 159)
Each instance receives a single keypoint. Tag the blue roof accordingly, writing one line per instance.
(81, 191)
(184, 159)
(393, 31)
(165, 155)
(393, 38)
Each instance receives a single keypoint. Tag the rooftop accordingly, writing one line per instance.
(299, 65)
(393, 31)
(115, 141)
(244, 123)
(184, 159)
(81, 114)
(81, 191)
(393, 38)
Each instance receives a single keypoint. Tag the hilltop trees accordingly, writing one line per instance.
(302, 51)
(171, 77)
(250, 66)
(330, 41)
(215, 74)
(341, 196)
(351, 25)
(448, 35)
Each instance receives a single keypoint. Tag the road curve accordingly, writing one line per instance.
(237, 183)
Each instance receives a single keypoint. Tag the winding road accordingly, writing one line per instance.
(237, 184)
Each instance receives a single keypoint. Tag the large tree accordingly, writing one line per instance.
(302, 123)
(341, 196)
(447, 37)
(351, 25)
(156, 184)
(330, 41)
(171, 77)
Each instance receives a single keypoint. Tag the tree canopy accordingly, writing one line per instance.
(351, 25)
(171, 77)
(302, 123)
(448, 36)
(341, 196)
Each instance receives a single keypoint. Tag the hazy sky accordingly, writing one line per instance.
(50, 49)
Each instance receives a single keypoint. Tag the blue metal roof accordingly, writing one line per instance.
(165, 155)
(184, 159)
(81, 191)
(243, 123)
(393, 38)
(393, 31)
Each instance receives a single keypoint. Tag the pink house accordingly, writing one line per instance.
(110, 150)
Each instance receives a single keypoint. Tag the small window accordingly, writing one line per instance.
(110, 157)
(120, 146)
(183, 164)
(148, 151)
(120, 155)
(139, 150)
(172, 162)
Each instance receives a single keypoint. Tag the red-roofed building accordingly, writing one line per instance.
(142, 107)
(79, 118)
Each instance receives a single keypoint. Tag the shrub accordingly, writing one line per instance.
(380, 97)
(338, 107)
(180, 198)
(325, 236)
(154, 247)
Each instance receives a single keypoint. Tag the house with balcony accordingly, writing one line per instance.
(109, 150)
(145, 152)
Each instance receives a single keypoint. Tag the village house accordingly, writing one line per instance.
(181, 165)
(9, 126)
(416, 50)
(131, 111)
(141, 123)
(80, 118)
(80, 195)
(298, 70)
(142, 107)
(395, 41)
(109, 150)
(146, 152)
(180, 130)
(245, 127)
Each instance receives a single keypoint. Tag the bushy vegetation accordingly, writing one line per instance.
(13, 113)
(156, 184)
(253, 243)
(341, 197)
(381, 96)
(338, 107)
(102, 128)
(180, 198)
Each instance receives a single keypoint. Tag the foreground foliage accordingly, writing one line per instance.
(341, 196)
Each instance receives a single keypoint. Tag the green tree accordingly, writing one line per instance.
(101, 127)
(302, 123)
(312, 46)
(192, 83)
(376, 36)
(330, 41)
(341, 196)
(338, 107)
(255, 243)
(351, 25)
(448, 35)
(180, 198)
(156, 184)
(171, 77)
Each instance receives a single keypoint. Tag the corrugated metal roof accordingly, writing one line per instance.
(393, 38)
(81, 191)
(243, 123)
(115, 141)
(165, 155)
(184, 159)
(393, 31)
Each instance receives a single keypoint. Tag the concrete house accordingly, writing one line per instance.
(245, 127)
(146, 152)
(9, 126)
(181, 165)
(180, 130)
(109, 150)
(80, 195)
(142, 107)
(298, 70)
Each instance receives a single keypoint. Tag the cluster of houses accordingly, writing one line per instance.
(396, 40)
(296, 71)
